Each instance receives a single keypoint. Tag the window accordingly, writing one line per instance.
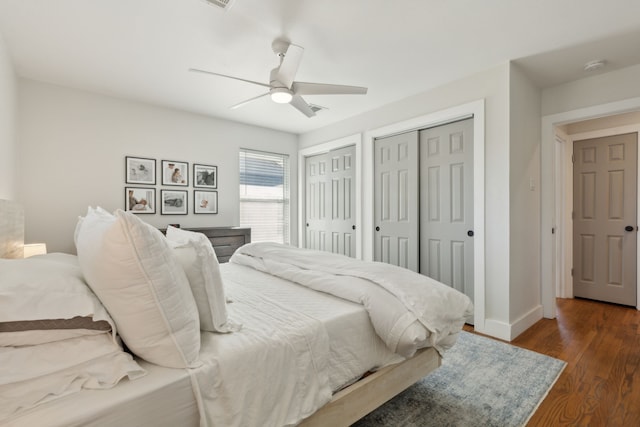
(264, 195)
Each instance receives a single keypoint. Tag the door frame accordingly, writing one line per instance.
(551, 187)
(565, 186)
(325, 147)
(475, 109)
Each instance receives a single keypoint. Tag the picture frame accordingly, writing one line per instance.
(205, 176)
(173, 202)
(205, 202)
(175, 173)
(140, 200)
(140, 170)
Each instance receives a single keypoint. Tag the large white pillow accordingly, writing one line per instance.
(199, 261)
(45, 299)
(131, 268)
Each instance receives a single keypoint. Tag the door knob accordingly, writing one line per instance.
(353, 227)
(470, 233)
(307, 224)
(628, 228)
(377, 228)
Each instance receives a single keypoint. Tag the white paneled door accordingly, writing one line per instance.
(604, 218)
(446, 204)
(330, 201)
(396, 200)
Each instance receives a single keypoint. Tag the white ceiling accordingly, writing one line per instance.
(141, 49)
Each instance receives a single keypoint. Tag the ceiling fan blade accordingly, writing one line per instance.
(195, 70)
(289, 66)
(302, 88)
(240, 104)
(302, 106)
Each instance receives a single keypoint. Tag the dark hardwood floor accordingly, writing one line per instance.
(601, 384)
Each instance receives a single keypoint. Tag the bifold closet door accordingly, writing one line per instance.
(330, 201)
(396, 200)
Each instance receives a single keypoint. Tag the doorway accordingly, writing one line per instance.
(556, 224)
(604, 218)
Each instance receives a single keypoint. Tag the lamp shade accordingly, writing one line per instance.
(34, 249)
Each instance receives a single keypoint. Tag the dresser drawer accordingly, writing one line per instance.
(225, 240)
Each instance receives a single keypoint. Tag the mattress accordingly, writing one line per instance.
(165, 397)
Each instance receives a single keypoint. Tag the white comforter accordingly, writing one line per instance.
(273, 372)
(408, 310)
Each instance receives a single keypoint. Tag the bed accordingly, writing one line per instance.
(334, 339)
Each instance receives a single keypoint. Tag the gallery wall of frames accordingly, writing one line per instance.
(180, 186)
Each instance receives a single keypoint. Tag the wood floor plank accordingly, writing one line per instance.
(601, 384)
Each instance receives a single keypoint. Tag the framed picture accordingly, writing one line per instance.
(140, 170)
(174, 202)
(205, 202)
(140, 200)
(205, 176)
(175, 173)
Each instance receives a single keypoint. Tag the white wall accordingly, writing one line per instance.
(595, 90)
(491, 85)
(608, 122)
(8, 90)
(524, 180)
(72, 154)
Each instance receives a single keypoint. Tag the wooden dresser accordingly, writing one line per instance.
(225, 240)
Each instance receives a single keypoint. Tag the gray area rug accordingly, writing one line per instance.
(482, 382)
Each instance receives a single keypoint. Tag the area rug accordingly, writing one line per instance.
(482, 382)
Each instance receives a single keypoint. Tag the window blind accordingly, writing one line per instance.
(264, 195)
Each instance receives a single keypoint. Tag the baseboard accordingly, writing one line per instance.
(509, 331)
(526, 321)
(497, 329)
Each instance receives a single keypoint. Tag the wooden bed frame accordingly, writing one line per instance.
(347, 405)
(354, 402)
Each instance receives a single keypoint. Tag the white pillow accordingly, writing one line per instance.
(131, 268)
(45, 299)
(199, 261)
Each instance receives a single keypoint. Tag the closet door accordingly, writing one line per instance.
(446, 204)
(317, 201)
(396, 200)
(330, 201)
(343, 202)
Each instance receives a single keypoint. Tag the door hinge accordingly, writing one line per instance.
(572, 272)
(573, 159)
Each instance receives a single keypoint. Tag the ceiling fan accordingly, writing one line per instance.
(283, 89)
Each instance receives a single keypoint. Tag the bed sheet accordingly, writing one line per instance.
(163, 398)
(166, 397)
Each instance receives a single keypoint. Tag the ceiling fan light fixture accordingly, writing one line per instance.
(281, 95)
